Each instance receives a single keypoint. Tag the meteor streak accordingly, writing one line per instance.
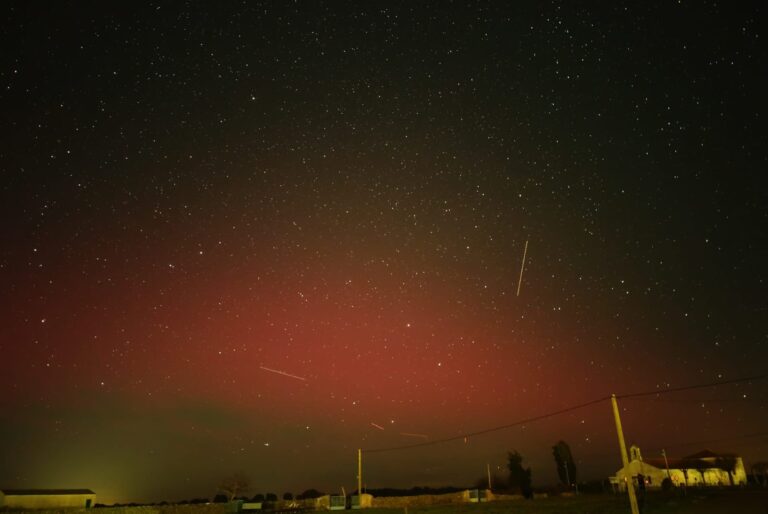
(522, 267)
(377, 426)
(283, 373)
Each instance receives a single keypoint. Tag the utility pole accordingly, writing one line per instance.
(360, 477)
(488, 468)
(624, 460)
(666, 462)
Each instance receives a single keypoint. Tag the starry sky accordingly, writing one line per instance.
(257, 236)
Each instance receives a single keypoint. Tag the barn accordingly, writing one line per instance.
(46, 498)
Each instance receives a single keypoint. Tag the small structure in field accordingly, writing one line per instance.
(47, 498)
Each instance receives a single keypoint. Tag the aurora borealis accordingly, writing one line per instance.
(342, 193)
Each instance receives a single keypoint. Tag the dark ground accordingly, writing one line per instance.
(695, 502)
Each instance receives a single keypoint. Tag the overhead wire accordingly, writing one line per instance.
(566, 410)
(739, 437)
(694, 386)
(488, 430)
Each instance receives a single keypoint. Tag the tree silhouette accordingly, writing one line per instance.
(728, 463)
(519, 477)
(233, 485)
(566, 467)
(760, 473)
(287, 496)
(310, 494)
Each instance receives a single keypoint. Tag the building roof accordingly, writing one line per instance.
(46, 492)
(709, 454)
(705, 459)
(680, 463)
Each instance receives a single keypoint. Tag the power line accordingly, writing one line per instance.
(707, 400)
(565, 410)
(695, 386)
(488, 430)
(720, 440)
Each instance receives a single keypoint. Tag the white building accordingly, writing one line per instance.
(46, 498)
(704, 468)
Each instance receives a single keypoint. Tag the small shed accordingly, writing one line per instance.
(338, 502)
(47, 498)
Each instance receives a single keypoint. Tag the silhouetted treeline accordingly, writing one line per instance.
(310, 494)
(414, 491)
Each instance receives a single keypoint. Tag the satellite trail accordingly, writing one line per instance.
(522, 267)
(283, 373)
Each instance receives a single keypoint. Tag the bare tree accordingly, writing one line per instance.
(728, 463)
(760, 473)
(233, 485)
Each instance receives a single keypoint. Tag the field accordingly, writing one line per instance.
(750, 501)
(695, 502)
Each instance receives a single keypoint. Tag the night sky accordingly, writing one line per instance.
(256, 237)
